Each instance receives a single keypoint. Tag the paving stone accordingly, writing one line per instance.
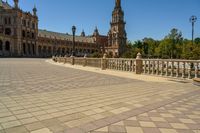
(116, 129)
(44, 130)
(134, 130)
(56, 98)
(19, 129)
(10, 124)
(151, 130)
(34, 126)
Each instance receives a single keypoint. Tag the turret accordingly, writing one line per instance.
(96, 32)
(117, 3)
(35, 11)
(16, 2)
(83, 33)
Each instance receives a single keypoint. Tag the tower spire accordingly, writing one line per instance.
(35, 11)
(118, 3)
(16, 3)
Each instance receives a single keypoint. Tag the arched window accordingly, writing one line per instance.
(63, 50)
(49, 50)
(23, 34)
(24, 48)
(29, 48)
(33, 35)
(7, 46)
(33, 25)
(33, 49)
(1, 45)
(5, 21)
(39, 49)
(7, 31)
(9, 20)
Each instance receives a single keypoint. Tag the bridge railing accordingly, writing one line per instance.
(160, 67)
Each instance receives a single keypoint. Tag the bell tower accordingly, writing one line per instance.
(117, 34)
(118, 3)
(16, 4)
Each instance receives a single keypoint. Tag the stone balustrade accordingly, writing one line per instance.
(160, 67)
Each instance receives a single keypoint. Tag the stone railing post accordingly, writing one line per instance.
(183, 69)
(189, 70)
(196, 70)
(85, 60)
(72, 60)
(139, 64)
(104, 62)
(177, 69)
(65, 59)
(53, 58)
(59, 59)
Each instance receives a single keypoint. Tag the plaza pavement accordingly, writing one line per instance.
(38, 96)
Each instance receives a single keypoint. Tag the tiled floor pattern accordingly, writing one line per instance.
(179, 117)
(38, 97)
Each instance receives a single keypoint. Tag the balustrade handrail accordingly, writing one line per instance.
(172, 60)
(179, 68)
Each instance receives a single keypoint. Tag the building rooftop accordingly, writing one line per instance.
(63, 36)
(5, 5)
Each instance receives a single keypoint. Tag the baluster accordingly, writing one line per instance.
(149, 67)
(157, 71)
(196, 70)
(125, 65)
(130, 66)
(116, 64)
(153, 67)
(112, 64)
(108, 64)
(145, 64)
(120, 65)
(167, 68)
(189, 70)
(172, 68)
(183, 70)
(177, 69)
(133, 67)
(162, 68)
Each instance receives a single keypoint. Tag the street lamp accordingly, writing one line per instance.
(193, 19)
(73, 32)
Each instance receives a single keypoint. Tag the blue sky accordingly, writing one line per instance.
(144, 18)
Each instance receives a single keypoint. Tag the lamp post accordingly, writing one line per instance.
(73, 32)
(193, 19)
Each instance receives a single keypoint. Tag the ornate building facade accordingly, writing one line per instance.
(20, 36)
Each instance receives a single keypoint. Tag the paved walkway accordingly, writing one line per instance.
(39, 97)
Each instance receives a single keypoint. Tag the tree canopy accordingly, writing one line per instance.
(173, 46)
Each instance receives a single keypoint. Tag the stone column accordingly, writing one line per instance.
(85, 60)
(139, 64)
(72, 60)
(104, 62)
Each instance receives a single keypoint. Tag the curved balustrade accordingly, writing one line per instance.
(93, 62)
(162, 67)
(172, 68)
(121, 64)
